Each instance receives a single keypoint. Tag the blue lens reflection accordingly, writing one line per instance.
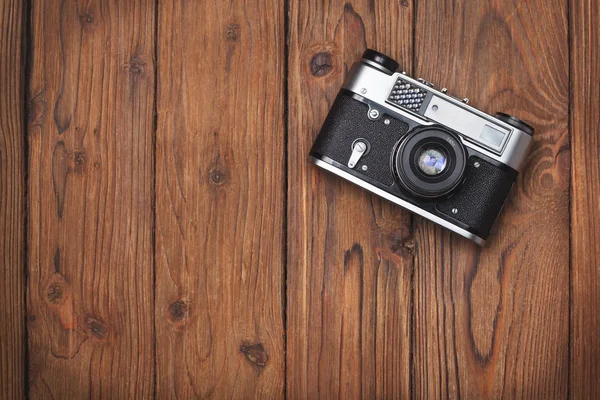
(432, 161)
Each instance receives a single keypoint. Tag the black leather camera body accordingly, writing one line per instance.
(421, 148)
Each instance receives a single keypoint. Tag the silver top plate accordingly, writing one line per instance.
(491, 136)
(478, 130)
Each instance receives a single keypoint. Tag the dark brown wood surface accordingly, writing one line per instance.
(12, 201)
(585, 199)
(171, 240)
(90, 259)
(220, 200)
(349, 252)
(493, 322)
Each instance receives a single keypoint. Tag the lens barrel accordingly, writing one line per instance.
(429, 162)
(388, 64)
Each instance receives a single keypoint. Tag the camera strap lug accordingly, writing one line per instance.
(359, 148)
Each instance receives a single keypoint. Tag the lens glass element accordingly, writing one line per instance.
(432, 161)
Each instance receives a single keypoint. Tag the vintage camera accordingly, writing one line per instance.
(421, 148)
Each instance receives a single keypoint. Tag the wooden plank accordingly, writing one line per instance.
(349, 252)
(585, 199)
(493, 322)
(220, 199)
(12, 205)
(90, 299)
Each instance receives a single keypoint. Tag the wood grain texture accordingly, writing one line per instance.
(378, 303)
(349, 252)
(12, 208)
(90, 298)
(493, 322)
(585, 199)
(220, 199)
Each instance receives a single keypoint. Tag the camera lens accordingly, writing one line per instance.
(432, 161)
(429, 162)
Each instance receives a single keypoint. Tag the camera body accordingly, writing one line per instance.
(421, 148)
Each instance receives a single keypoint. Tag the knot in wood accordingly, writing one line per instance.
(232, 32)
(78, 160)
(96, 328)
(135, 67)
(55, 293)
(86, 18)
(178, 311)
(321, 64)
(217, 176)
(255, 353)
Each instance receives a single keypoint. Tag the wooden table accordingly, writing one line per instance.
(163, 235)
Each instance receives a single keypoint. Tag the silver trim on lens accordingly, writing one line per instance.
(376, 86)
(382, 193)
